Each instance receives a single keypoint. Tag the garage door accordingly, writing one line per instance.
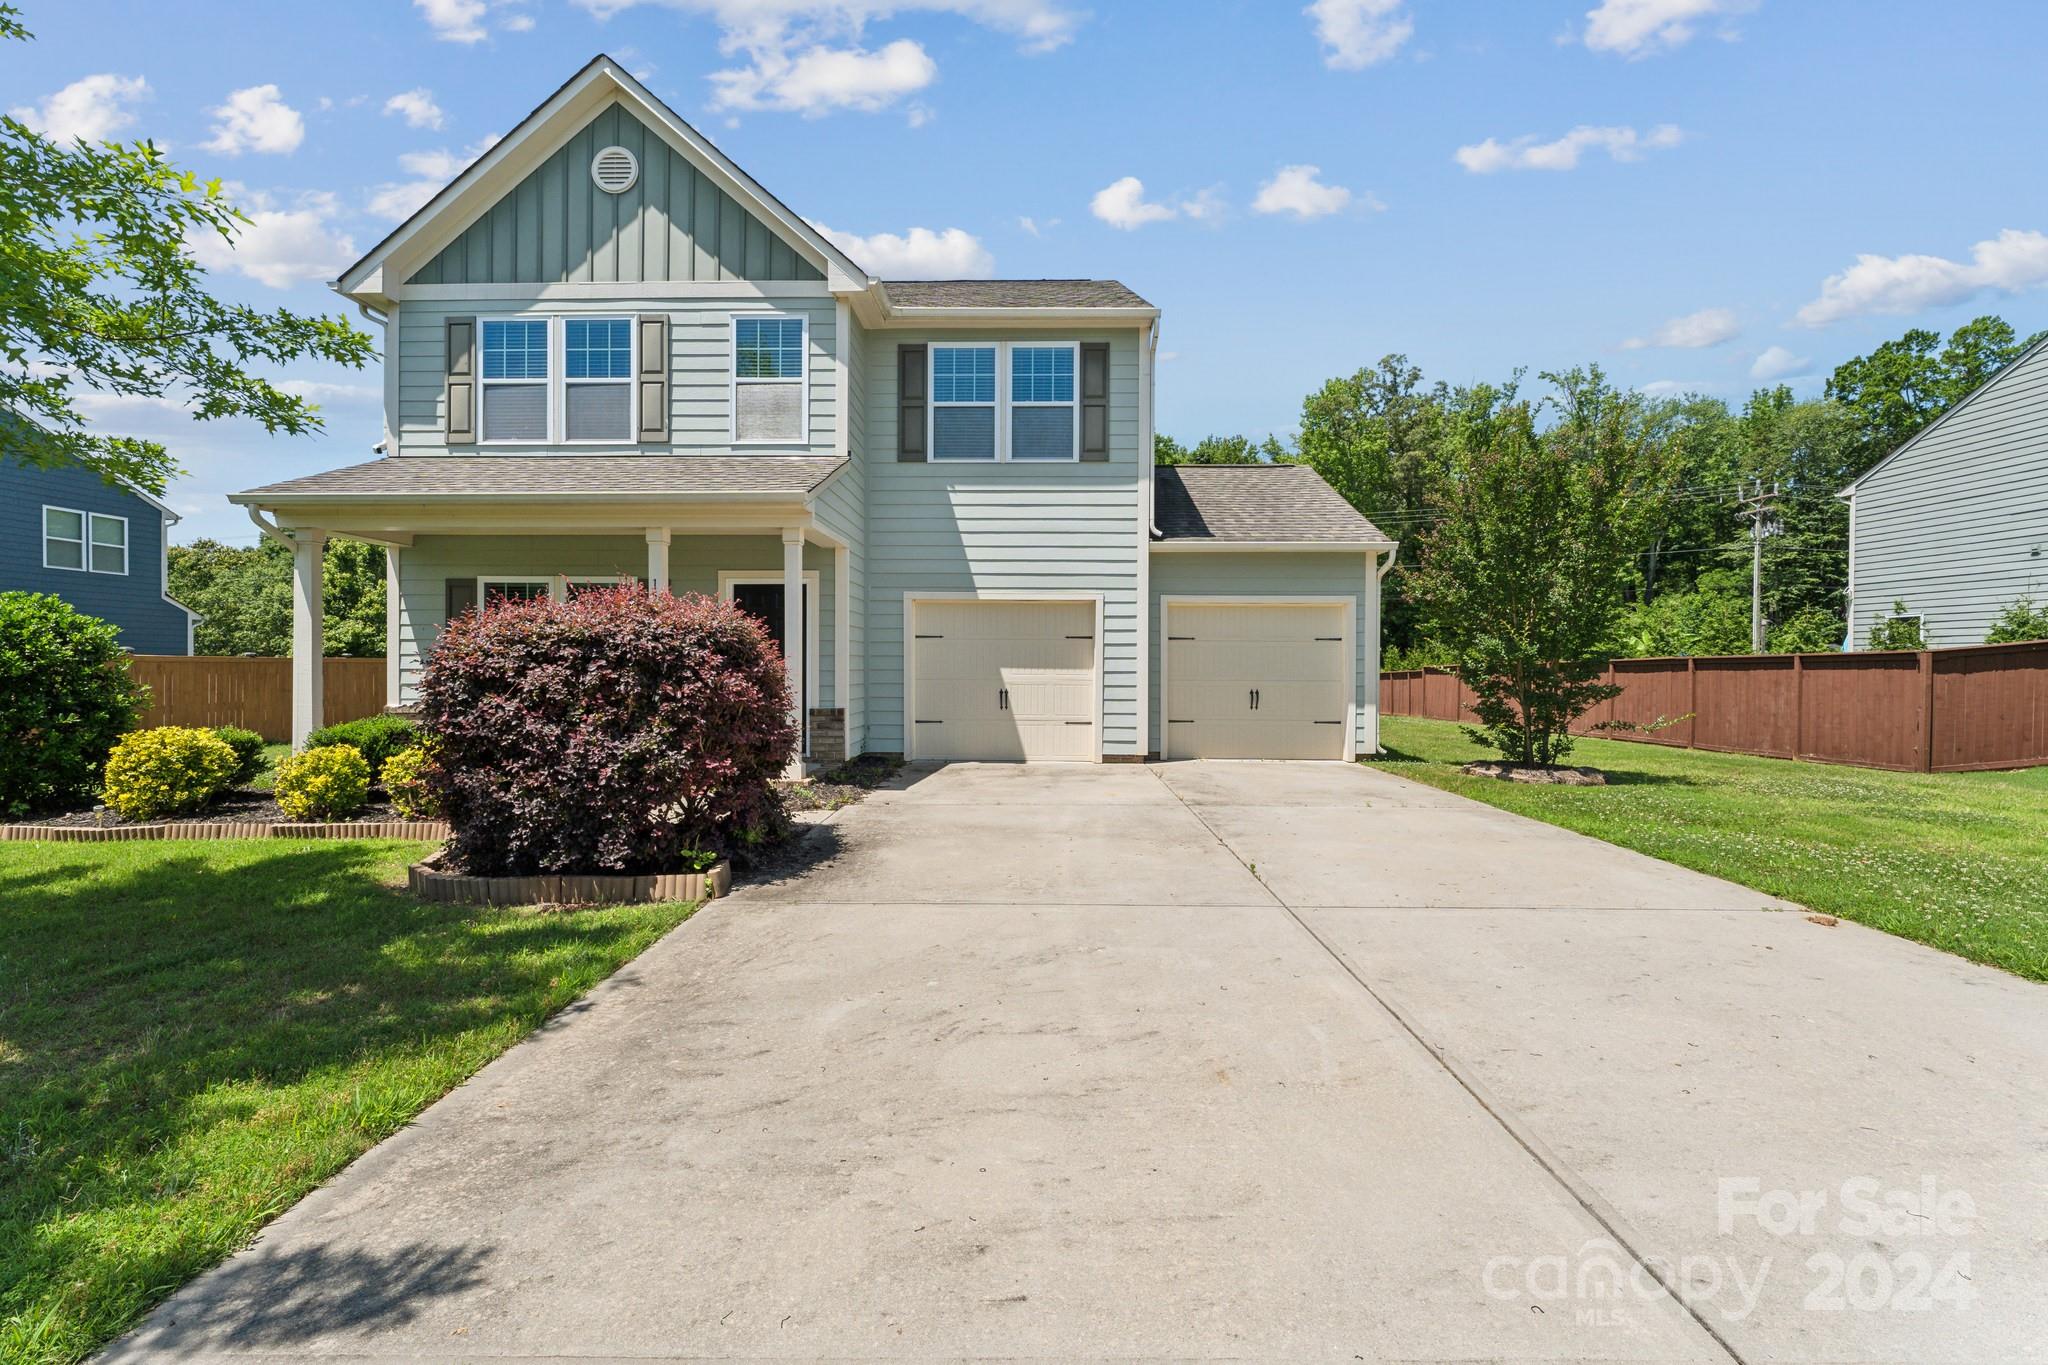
(1257, 680)
(1003, 680)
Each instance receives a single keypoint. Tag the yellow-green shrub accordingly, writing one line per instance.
(169, 770)
(405, 782)
(323, 784)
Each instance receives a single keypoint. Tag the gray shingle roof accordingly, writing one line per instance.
(557, 476)
(1011, 294)
(1255, 502)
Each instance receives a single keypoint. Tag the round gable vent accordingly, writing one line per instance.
(614, 170)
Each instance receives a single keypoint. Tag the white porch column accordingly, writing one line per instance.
(309, 549)
(794, 626)
(394, 607)
(657, 558)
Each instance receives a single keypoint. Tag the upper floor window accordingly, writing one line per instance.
(769, 390)
(597, 379)
(91, 541)
(963, 382)
(515, 380)
(1043, 415)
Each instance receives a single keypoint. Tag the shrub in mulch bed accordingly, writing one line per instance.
(1542, 774)
(610, 733)
(65, 698)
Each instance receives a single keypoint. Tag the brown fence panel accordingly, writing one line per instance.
(1945, 710)
(255, 694)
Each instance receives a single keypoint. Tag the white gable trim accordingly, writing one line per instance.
(1917, 437)
(472, 194)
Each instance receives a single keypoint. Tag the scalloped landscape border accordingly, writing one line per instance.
(425, 831)
(431, 884)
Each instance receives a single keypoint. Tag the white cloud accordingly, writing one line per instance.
(1037, 228)
(1708, 327)
(399, 200)
(1122, 204)
(93, 108)
(329, 394)
(454, 21)
(920, 254)
(442, 164)
(2008, 263)
(1677, 388)
(1562, 154)
(1356, 34)
(1296, 190)
(1638, 28)
(280, 247)
(256, 120)
(819, 80)
(1779, 363)
(417, 107)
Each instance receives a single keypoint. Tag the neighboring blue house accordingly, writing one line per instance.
(100, 547)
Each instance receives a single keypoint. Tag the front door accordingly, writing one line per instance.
(763, 602)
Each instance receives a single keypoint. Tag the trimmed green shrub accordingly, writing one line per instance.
(328, 783)
(375, 737)
(1897, 630)
(65, 697)
(405, 782)
(613, 732)
(248, 747)
(169, 770)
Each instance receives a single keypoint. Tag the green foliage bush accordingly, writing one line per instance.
(327, 783)
(377, 737)
(65, 697)
(406, 781)
(1896, 630)
(1810, 630)
(2019, 622)
(168, 770)
(248, 747)
(1712, 618)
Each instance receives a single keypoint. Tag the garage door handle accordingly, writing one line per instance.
(1002, 699)
(1255, 698)
(1080, 722)
(1330, 639)
(1329, 722)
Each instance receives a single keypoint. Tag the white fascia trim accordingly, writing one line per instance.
(1374, 547)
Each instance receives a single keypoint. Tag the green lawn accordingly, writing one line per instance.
(1955, 860)
(193, 1035)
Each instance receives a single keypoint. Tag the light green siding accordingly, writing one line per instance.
(700, 389)
(1054, 528)
(557, 227)
(1252, 574)
(841, 511)
(694, 565)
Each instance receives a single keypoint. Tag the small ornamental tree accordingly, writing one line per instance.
(1521, 573)
(65, 697)
(610, 733)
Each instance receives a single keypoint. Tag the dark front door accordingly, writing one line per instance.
(763, 601)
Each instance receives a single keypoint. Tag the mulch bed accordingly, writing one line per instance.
(1554, 776)
(242, 806)
(840, 786)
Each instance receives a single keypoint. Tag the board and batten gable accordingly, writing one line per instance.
(1955, 524)
(1002, 528)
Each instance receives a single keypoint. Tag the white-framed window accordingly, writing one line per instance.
(1045, 409)
(770, 385)
(597, 380)
(515, 382)
(574, 584)
(533, 587)
(95, 542)
(964, 399)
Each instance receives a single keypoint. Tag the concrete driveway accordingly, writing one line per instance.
(1202, 1060)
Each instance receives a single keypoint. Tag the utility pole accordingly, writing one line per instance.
(1761, 509)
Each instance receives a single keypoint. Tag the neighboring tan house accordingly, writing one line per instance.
(99, 546)
(1954, 523)
(611, 355)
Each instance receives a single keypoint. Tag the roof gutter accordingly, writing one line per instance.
(1393, 553)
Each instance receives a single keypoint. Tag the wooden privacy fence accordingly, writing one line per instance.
(1942, 710)
(255, 694)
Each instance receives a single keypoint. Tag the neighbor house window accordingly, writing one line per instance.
(91, 541)
(1044, 420)
(597, 379)
(963, 384)
(515, 380)
(768, 396)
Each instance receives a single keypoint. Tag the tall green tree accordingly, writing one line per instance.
(1217, 450)
(1904, 384)
(243, 594)
(100, 292)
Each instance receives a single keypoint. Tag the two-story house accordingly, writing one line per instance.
(100, 546)
(611, 355)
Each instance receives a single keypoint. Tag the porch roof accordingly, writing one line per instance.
(554, 478)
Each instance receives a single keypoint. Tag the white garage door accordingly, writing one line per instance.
(1003, 680)
(1262, 680)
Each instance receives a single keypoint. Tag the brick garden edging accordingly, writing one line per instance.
(427, 831)
(430, 884)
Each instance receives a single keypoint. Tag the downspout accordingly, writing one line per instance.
(383, 321)
(1393, 553)
(269, 528)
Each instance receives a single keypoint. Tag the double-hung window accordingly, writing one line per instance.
(515, 381)
(963, 385)
(768, 389)
(1044, 418)
(91, 541)
(597, 379)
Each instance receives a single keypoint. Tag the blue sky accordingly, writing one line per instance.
(1692, 193)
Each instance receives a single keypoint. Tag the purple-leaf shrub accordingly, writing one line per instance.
(610, 733)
